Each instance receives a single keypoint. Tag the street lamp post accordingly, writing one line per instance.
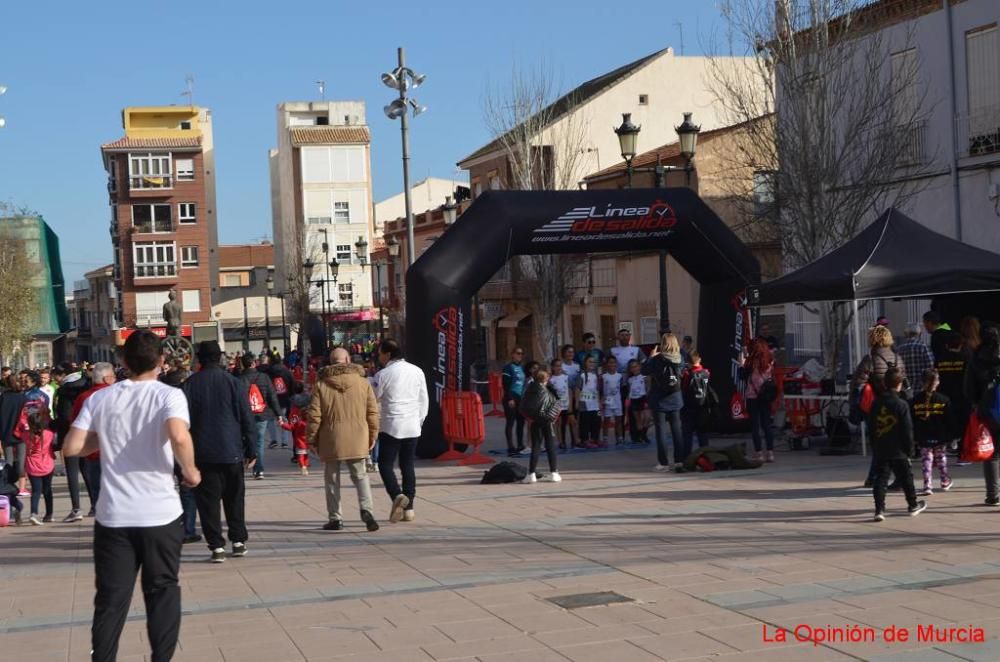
(307, 268)
(285, 340)
(334, 267)
(267, 313)
(628, 138)
(246, 328)
(392, 245)
(402, 78)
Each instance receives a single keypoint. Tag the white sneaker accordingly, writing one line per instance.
(35, 520)
(303, 471)
(662, 467)
(409, 515)
(530, 478)
(554, 477)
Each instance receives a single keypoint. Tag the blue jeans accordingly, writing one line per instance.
(760, 419)
(190, 507)
(261, 445)
(669, 421)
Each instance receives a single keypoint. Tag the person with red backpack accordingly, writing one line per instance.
(281, 379)
(296, 424)
(263, 405)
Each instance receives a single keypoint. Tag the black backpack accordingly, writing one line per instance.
(698, 389)
(666, 378)
(504, 472)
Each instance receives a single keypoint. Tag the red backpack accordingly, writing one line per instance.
(280, 387)
(257, 403)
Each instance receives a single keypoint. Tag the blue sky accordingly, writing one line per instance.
(71, 66)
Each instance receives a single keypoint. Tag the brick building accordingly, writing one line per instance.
(161, 182)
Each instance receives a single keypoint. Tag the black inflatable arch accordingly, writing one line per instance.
(502, 224)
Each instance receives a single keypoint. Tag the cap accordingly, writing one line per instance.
(882, 321)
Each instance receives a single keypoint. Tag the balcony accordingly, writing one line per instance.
(150, 182)
(151, 227)
(911, 139)
(156, 270)
(979, 132)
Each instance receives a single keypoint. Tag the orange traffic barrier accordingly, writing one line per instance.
(463, 423)
(496, 395)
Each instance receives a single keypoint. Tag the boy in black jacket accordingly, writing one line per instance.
(933, 428)
(892, 444)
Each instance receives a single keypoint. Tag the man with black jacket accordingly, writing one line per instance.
(270, 408)
(282, 380)
(892, 444)
(72, 383)
(223, 431)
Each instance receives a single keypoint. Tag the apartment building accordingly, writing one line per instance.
(321, 204)
(161, 183)
(94, 315)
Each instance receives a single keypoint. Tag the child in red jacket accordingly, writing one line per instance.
(296, 424)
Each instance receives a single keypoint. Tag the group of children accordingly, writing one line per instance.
(582, 405)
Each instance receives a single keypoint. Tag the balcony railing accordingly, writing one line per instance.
(147, 182)
(150, 227)
(979, 132)
(911, 139)
(156, 270)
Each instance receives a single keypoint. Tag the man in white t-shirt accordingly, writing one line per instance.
(140, 425)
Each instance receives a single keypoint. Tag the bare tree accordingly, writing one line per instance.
(302, 294)
(542, 136)
(832, 117)
(18, 299)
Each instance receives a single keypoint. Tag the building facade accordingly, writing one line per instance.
(94, 316)
(251, 314)
(426, 194)
(321, 204)
(161, 183)
(50, 319)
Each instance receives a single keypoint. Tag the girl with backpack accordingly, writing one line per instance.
(698, 402)
(611, 402)
(665, 398)
(40, 463)
(590, 404)
(639, 417)
(761, 392)
(545, 410)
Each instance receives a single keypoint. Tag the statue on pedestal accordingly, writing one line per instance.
(172, 313)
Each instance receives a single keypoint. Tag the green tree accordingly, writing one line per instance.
(18, 300)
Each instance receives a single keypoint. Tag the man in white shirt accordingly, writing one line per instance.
(401, 390)
(625, 351)
(140, 425)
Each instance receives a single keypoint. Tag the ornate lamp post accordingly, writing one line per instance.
(267, 313)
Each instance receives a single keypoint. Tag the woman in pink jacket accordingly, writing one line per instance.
(759, 366)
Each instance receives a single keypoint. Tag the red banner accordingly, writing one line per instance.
(161, 331)
(356, 316)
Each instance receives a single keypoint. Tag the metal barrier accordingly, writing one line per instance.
(463, 423)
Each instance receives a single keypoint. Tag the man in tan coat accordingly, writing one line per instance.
(342, 427)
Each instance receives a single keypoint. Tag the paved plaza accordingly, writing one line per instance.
(711, 567)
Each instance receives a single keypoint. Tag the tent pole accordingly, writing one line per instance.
(856, 343)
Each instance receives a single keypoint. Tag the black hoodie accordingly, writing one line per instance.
(69, 390)
(982, 370)
(892, 427)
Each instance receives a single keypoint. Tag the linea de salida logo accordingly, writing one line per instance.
(612, 219)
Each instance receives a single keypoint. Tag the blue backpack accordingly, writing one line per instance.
(989, 404)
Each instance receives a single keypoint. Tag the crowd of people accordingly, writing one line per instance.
(588, 398)
(152, 428)
(916, 401)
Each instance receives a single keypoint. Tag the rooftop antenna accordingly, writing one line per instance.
(680, 31)
(189, 89)
(322, 89)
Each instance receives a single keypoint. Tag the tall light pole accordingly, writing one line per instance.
(285, 340)
(392, 245)
(628, 139)
(267, 313)
(402, 78)
(334, 267)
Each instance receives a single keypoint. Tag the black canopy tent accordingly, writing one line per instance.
(893, 258)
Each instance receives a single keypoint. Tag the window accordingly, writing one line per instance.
(344, 253)
(643, 99)
(322, 120)
(494, 180)
(332, 164)
(154, 259)
(982, 62)
(146, 171)
(232, 280)
(112, 175)
(185, 125)
(346, 291)
(342, 212)
(185, 170)
(189, 256)
(191, 301)
(149, 306)
(764, 192)
(151, 218)
(909, 131)
(186, 212)
(477, 188)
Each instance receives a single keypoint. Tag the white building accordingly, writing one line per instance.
(426, 194)
(956, 146)
(321, 196)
